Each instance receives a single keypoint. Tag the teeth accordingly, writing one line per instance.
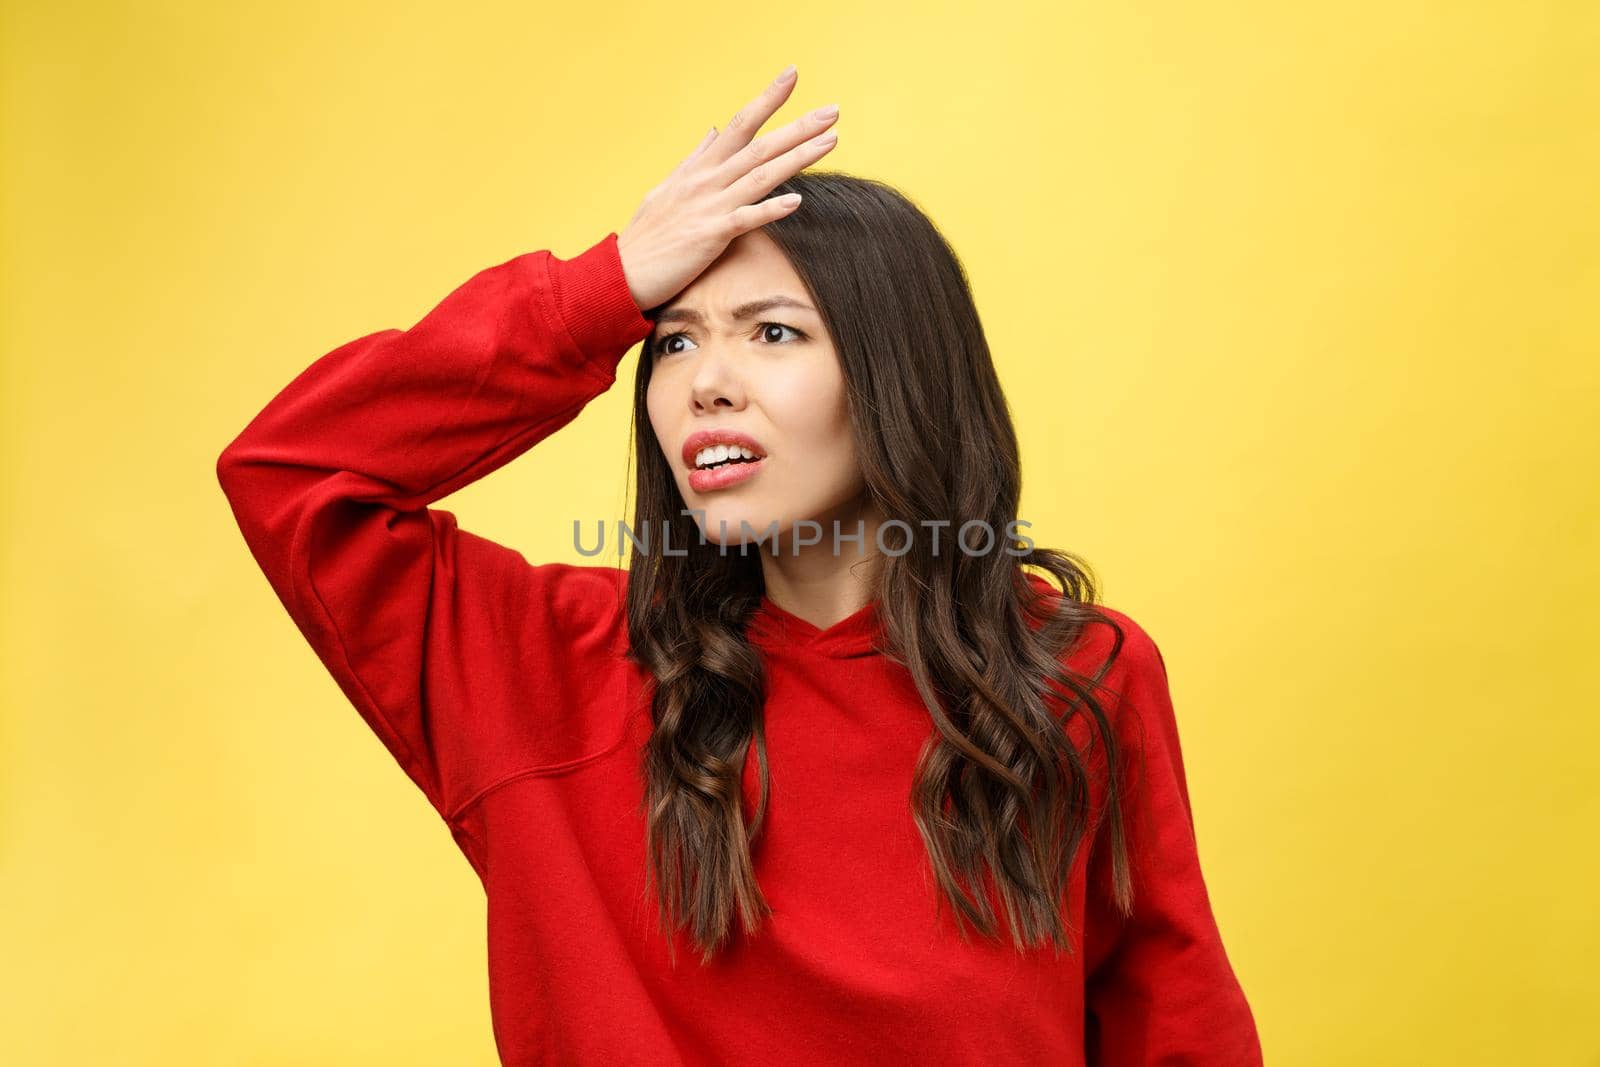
(721, 454)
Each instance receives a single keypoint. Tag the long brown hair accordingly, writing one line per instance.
(1000, 784)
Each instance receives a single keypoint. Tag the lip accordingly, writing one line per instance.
(706, 438)
(702, 481)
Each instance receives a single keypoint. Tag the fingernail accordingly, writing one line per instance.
(826, 112)
(785, 74)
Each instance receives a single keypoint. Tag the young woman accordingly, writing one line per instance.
(902, 800)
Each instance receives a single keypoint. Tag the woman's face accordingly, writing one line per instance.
(742, 354)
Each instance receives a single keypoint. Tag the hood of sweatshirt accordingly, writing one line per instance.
(857, 634)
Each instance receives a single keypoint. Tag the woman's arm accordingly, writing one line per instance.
(457, 653)
(331, 482)
(1159, 986)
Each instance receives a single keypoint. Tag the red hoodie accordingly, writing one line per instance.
(502, 688)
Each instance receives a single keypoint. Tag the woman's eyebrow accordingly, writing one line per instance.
(744, 311)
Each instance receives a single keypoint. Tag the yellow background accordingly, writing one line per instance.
(1295, 305)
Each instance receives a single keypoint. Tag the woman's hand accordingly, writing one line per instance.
(716, 193)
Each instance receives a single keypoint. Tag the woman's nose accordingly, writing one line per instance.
(717, 381)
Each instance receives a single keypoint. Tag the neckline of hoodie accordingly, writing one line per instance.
(773, 627)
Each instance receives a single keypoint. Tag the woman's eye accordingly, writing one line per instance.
(768, 327)
(664, 345)
(770, 333)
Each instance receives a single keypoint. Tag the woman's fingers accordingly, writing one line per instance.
(770, 145)
(718, 191)
(754, 216)
(748, 119)
(764, 178)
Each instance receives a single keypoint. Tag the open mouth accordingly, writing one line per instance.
(721, 456)
(723, 467)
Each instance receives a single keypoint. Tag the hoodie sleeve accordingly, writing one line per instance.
(1159, 988)
(457, 653)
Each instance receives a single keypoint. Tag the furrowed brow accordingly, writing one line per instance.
(740, 314)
